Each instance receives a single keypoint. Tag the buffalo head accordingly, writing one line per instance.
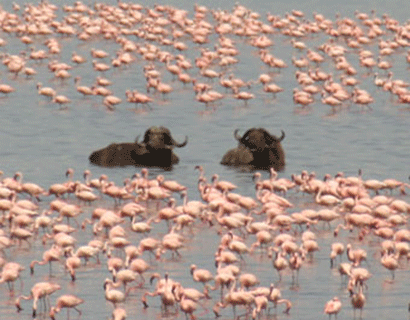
(258, 149)
(258, 139)
(156, 138)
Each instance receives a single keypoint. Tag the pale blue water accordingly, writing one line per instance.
(41, 141)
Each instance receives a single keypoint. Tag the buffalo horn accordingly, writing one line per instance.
(180, 145)
(282, 136)
(237, 137)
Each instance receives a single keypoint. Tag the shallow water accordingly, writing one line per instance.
(42, 141)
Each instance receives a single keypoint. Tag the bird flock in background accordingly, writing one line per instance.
(177, 51)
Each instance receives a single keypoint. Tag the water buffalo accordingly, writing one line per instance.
(257, 149)
(154, 150)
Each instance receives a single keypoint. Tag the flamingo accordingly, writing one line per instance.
(10, 273)
(139, 266)
(222, 185)
(222, 256)
(333, 307)
(234, 298)
(248, 280)
(6, 89)
(60, 99)
(98, 53)
(170, 185)
(76, 58)
(40, 290)
(86, 252)
(261, 303)
(85, 91)
(358, 301)
(355, 256)
(110, 101)
(272, 88)
(279, 263)
(163, 289)
(201, 275)
(101, 91)
(337, 249)
(168, 213)
(100, 67)
(243, 95)
(119, 314)
(103, 81)
(67, 301)
(84, 195)
(172, 242)
(45, 91)
(164, 89)
(53, 254)
(310, 246)
(124, 276)
(187, 306)
(327, 199)
(71, 264)
(390, 262)
(143, 226)
(113, 295)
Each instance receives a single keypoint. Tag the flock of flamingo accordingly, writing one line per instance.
(139, 228)
(163, 39)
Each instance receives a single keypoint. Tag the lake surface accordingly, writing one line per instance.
(42, 141)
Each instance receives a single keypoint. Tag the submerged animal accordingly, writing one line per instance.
(257, 149)
(156, 150)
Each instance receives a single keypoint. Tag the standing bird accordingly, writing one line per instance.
(389, 261)
(85, 91)
(53, 254)
(66, 301)
(243, 95)
(60, 99)
(110, 101)
(119, 314)
(39, 291)
(333, 307)
(10, 273)
(112, 295)
(188, 306)
(45, 91)
(358, 300)
(337, 248)
(201, 275)
(279, 263)
(6, 89)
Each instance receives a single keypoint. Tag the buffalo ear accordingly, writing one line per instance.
(268, 138)
(165, 130)
(167, 138)
(147, 135)
(245, 137)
